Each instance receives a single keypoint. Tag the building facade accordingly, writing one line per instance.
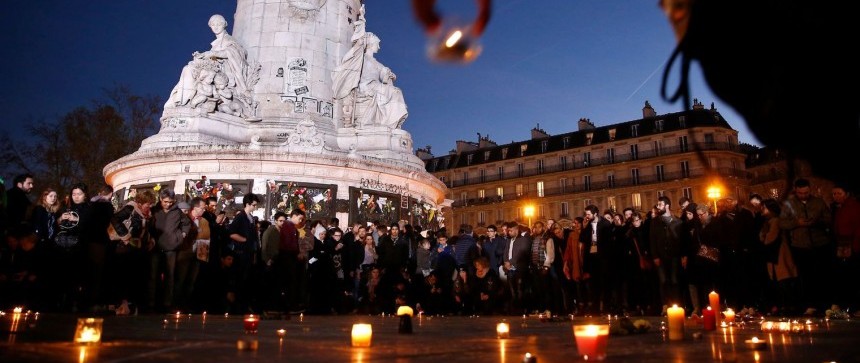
(628, 164)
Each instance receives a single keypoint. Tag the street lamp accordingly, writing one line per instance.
(529, 211)
(714, 194)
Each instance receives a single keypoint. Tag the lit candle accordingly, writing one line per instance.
(730, 315)
(251, 322)
(503, 330)
(767, 326)
(17, 310)
(89, 330)
(714, 300)
(755, 343)
(676, 322)
(529, 358)
(361, 335)
(282, 333)
(784, 326)
(710, 321)
(591, 340)
(404, 310)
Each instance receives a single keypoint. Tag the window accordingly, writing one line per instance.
(447, 161)
(543, 145)
(586, 182)
(682, 143)
(519, 190)
(687, 192)
(500, 214)
(521, 169)
(586, 158)
(586, 202)
(501, 172)
(483, 174)
(482, 193)
(523, 149)
(610, 155)
(588, 137)
(685, 169)
(500, 191)
(434, 164)
(565, 210)
(465, 177)
(658, 170)
(636, 200)
(540, 191)
(566, 142)
(505, 153)
(610, 203)
(634, 130)
(610, 180)
(486, 155)
(463, 219)
(540, 166)
(469, 159)
(682, 121)
(658, 125)
(634, 176)
(562, 162)
(464, 196)
(482, 218)
(541, 212)
(634, 152)
(562, 185)
(442, 179)
(661, 193)
(709, 138)
(658, 147)
(611, 134)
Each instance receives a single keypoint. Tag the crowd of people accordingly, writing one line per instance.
(158, 254)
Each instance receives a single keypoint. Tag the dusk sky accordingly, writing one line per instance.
(547, 63)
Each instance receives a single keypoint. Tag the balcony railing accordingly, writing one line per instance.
(577, 165)
(603, 185)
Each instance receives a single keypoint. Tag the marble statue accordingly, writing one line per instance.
(366, 86)
(202, 82)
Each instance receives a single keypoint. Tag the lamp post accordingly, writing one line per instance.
(714, 194)
(529, 211)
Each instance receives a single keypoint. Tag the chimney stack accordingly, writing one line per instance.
(648, 111)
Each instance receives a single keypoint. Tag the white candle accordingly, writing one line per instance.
(676, 322)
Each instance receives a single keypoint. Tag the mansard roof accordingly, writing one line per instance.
(599, 135)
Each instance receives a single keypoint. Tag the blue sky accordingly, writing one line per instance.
(543, 62)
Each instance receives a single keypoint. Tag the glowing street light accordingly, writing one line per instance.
(714, 194)
(529, 211)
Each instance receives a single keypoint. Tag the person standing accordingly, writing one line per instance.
(167, 231)
(17, 200)
(288, 263)
(665, 240)
(805, 218)
(245, 241)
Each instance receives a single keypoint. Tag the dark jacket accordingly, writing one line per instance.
(665, 238)
(168, 228)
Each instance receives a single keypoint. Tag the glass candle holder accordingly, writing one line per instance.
(503, 330)
(361, 335)
(251, 323)
(89, 331)
(591, 340)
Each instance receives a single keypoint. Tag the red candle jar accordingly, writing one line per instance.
(251, 323)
